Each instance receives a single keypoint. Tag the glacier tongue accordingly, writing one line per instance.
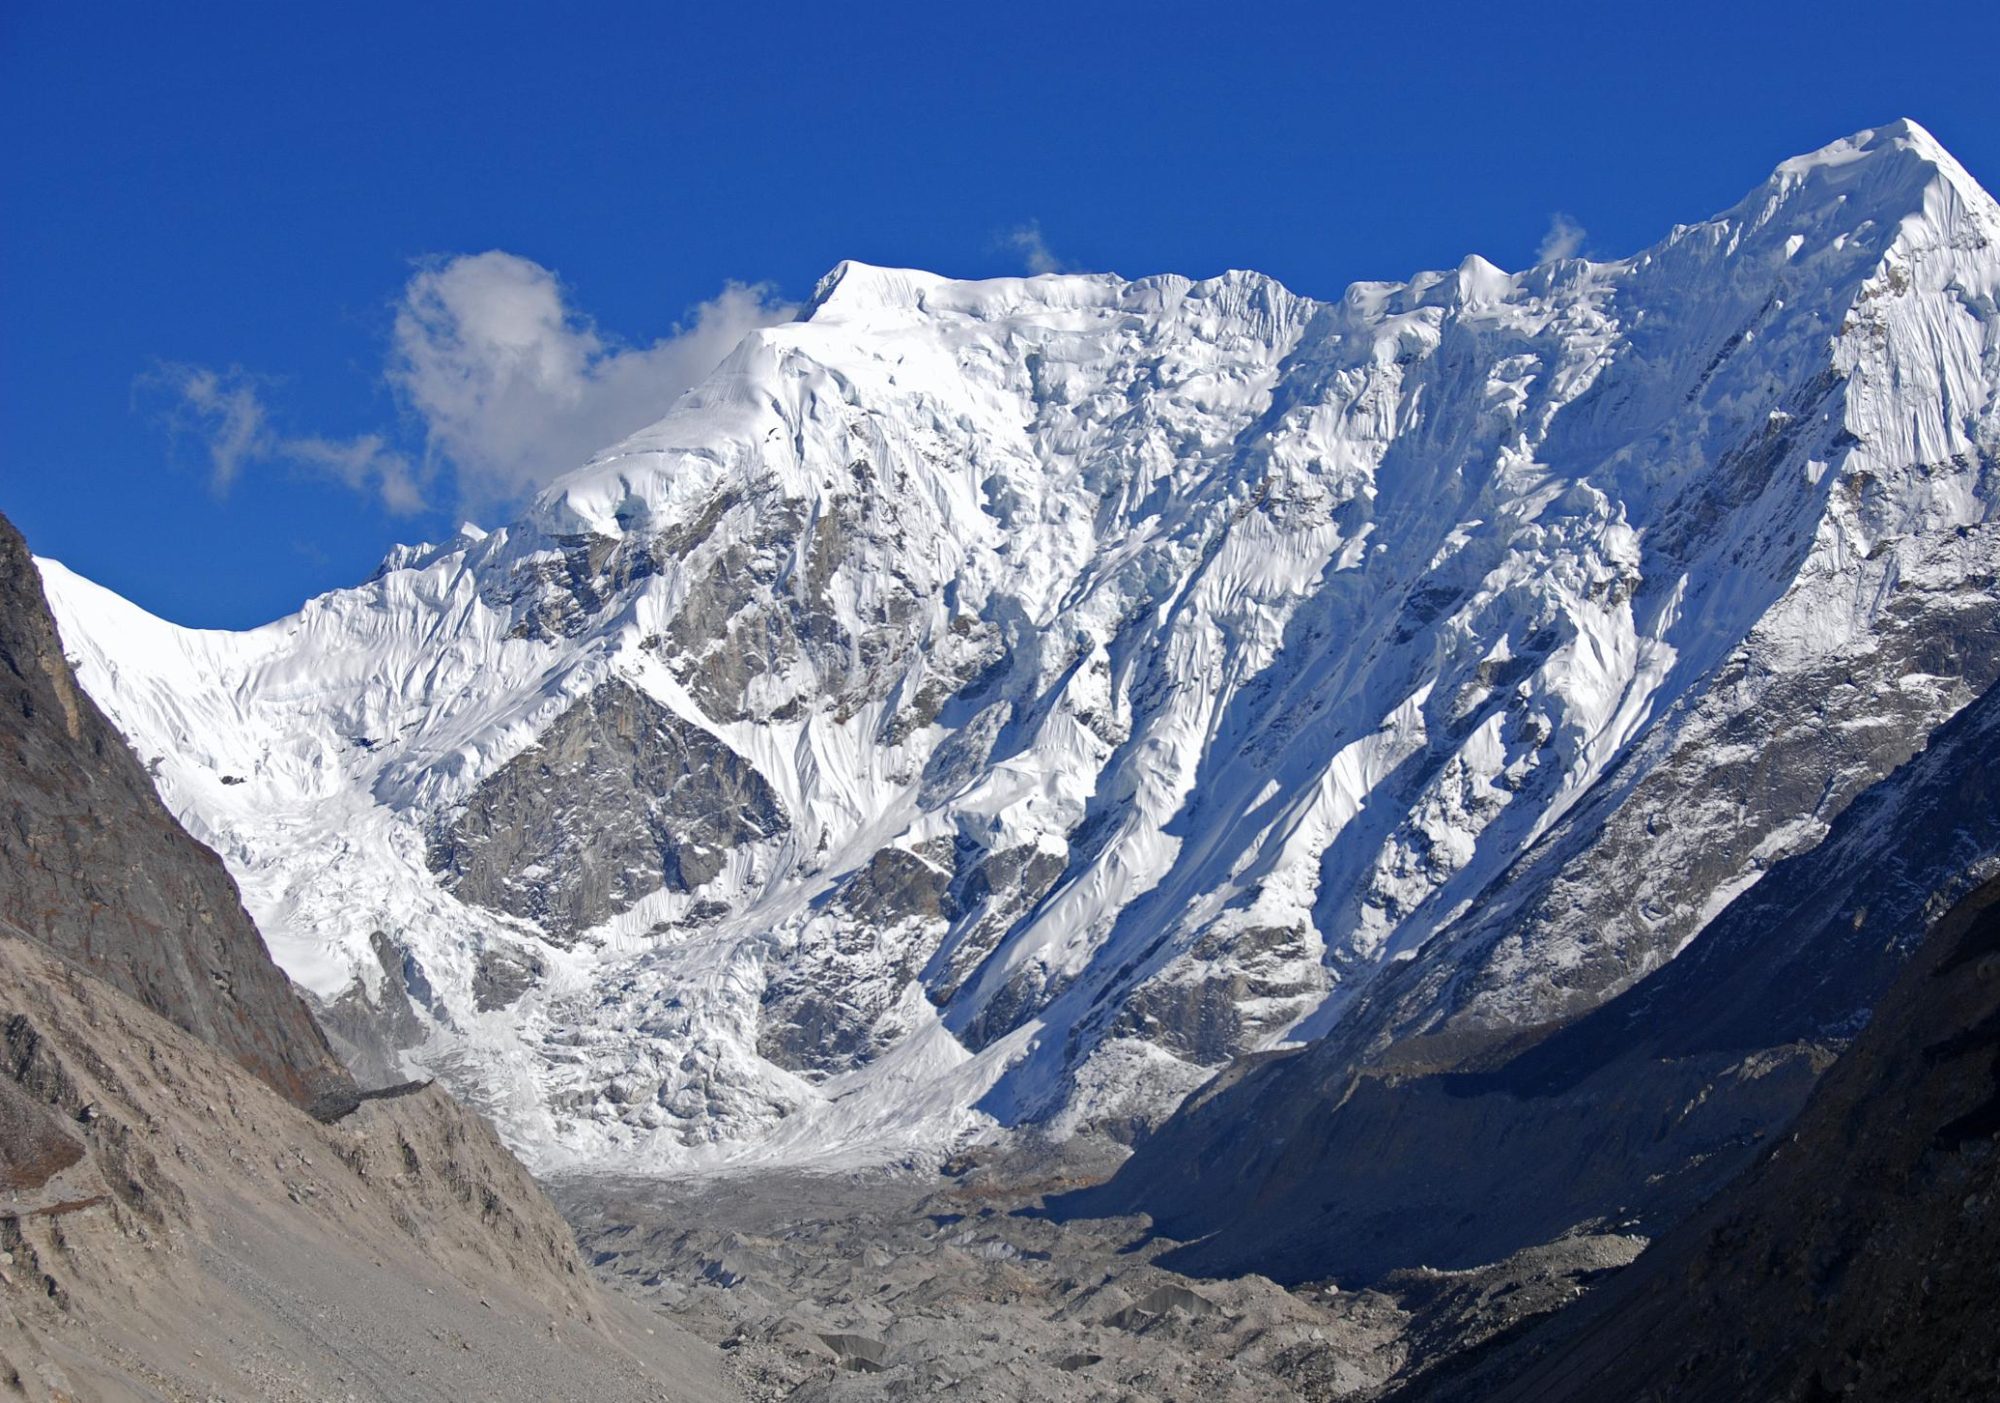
(1114, 674)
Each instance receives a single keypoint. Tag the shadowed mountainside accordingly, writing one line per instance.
(1855, 1260)
(93, 868)
(1348, 1161)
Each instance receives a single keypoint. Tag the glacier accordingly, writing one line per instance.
(981, 704)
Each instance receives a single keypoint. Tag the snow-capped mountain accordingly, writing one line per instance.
(992, 701)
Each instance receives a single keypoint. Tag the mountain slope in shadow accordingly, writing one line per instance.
(1342, 1161)
(1855, 1260)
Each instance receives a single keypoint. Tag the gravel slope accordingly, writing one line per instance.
(213, 1241)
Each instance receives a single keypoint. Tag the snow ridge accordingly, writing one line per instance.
(1138, 666)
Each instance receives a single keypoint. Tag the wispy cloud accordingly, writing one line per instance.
(366, 464)
(1036, 255)
(227, 412)
(509, 385)
(515, 387)
(224, 408)
(1564, 239)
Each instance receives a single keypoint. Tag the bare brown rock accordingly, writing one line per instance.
(93, 867)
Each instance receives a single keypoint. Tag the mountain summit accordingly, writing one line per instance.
(1015, 700)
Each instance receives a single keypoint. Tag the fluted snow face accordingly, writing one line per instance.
(1140, 665)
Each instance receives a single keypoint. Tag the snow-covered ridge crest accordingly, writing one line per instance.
(899, 334)
(1110, 676)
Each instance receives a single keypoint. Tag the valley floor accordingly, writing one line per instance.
(889, 1285)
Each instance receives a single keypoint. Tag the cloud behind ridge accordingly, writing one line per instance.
(1563, 240)
(508, 384)
(515, 388)
(1036, 255)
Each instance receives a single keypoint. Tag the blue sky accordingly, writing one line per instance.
(244, 225)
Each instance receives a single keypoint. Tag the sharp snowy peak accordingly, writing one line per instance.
(989, 701)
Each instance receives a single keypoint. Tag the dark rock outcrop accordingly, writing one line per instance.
(992, 892)
(34, 1146)
(618, 799)
(369, 1028)
(93, 868)
(1203, 1018)
(818, 1018)
(503, 974)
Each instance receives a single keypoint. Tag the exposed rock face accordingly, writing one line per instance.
(1357, 1155)
(618, 799)
(93, 867)
(370, 1025)
(504, 975)
(1239, 987)
(992, 892)
(824, 1012)
(34, 1145)
(1855, 1260)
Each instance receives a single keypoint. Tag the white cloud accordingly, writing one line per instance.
(514, 387)
(226, 410)
(511, 386)
(1564, 238)
(1036, 255)
(365, 464)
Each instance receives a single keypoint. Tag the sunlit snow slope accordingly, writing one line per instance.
(1012, 700)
